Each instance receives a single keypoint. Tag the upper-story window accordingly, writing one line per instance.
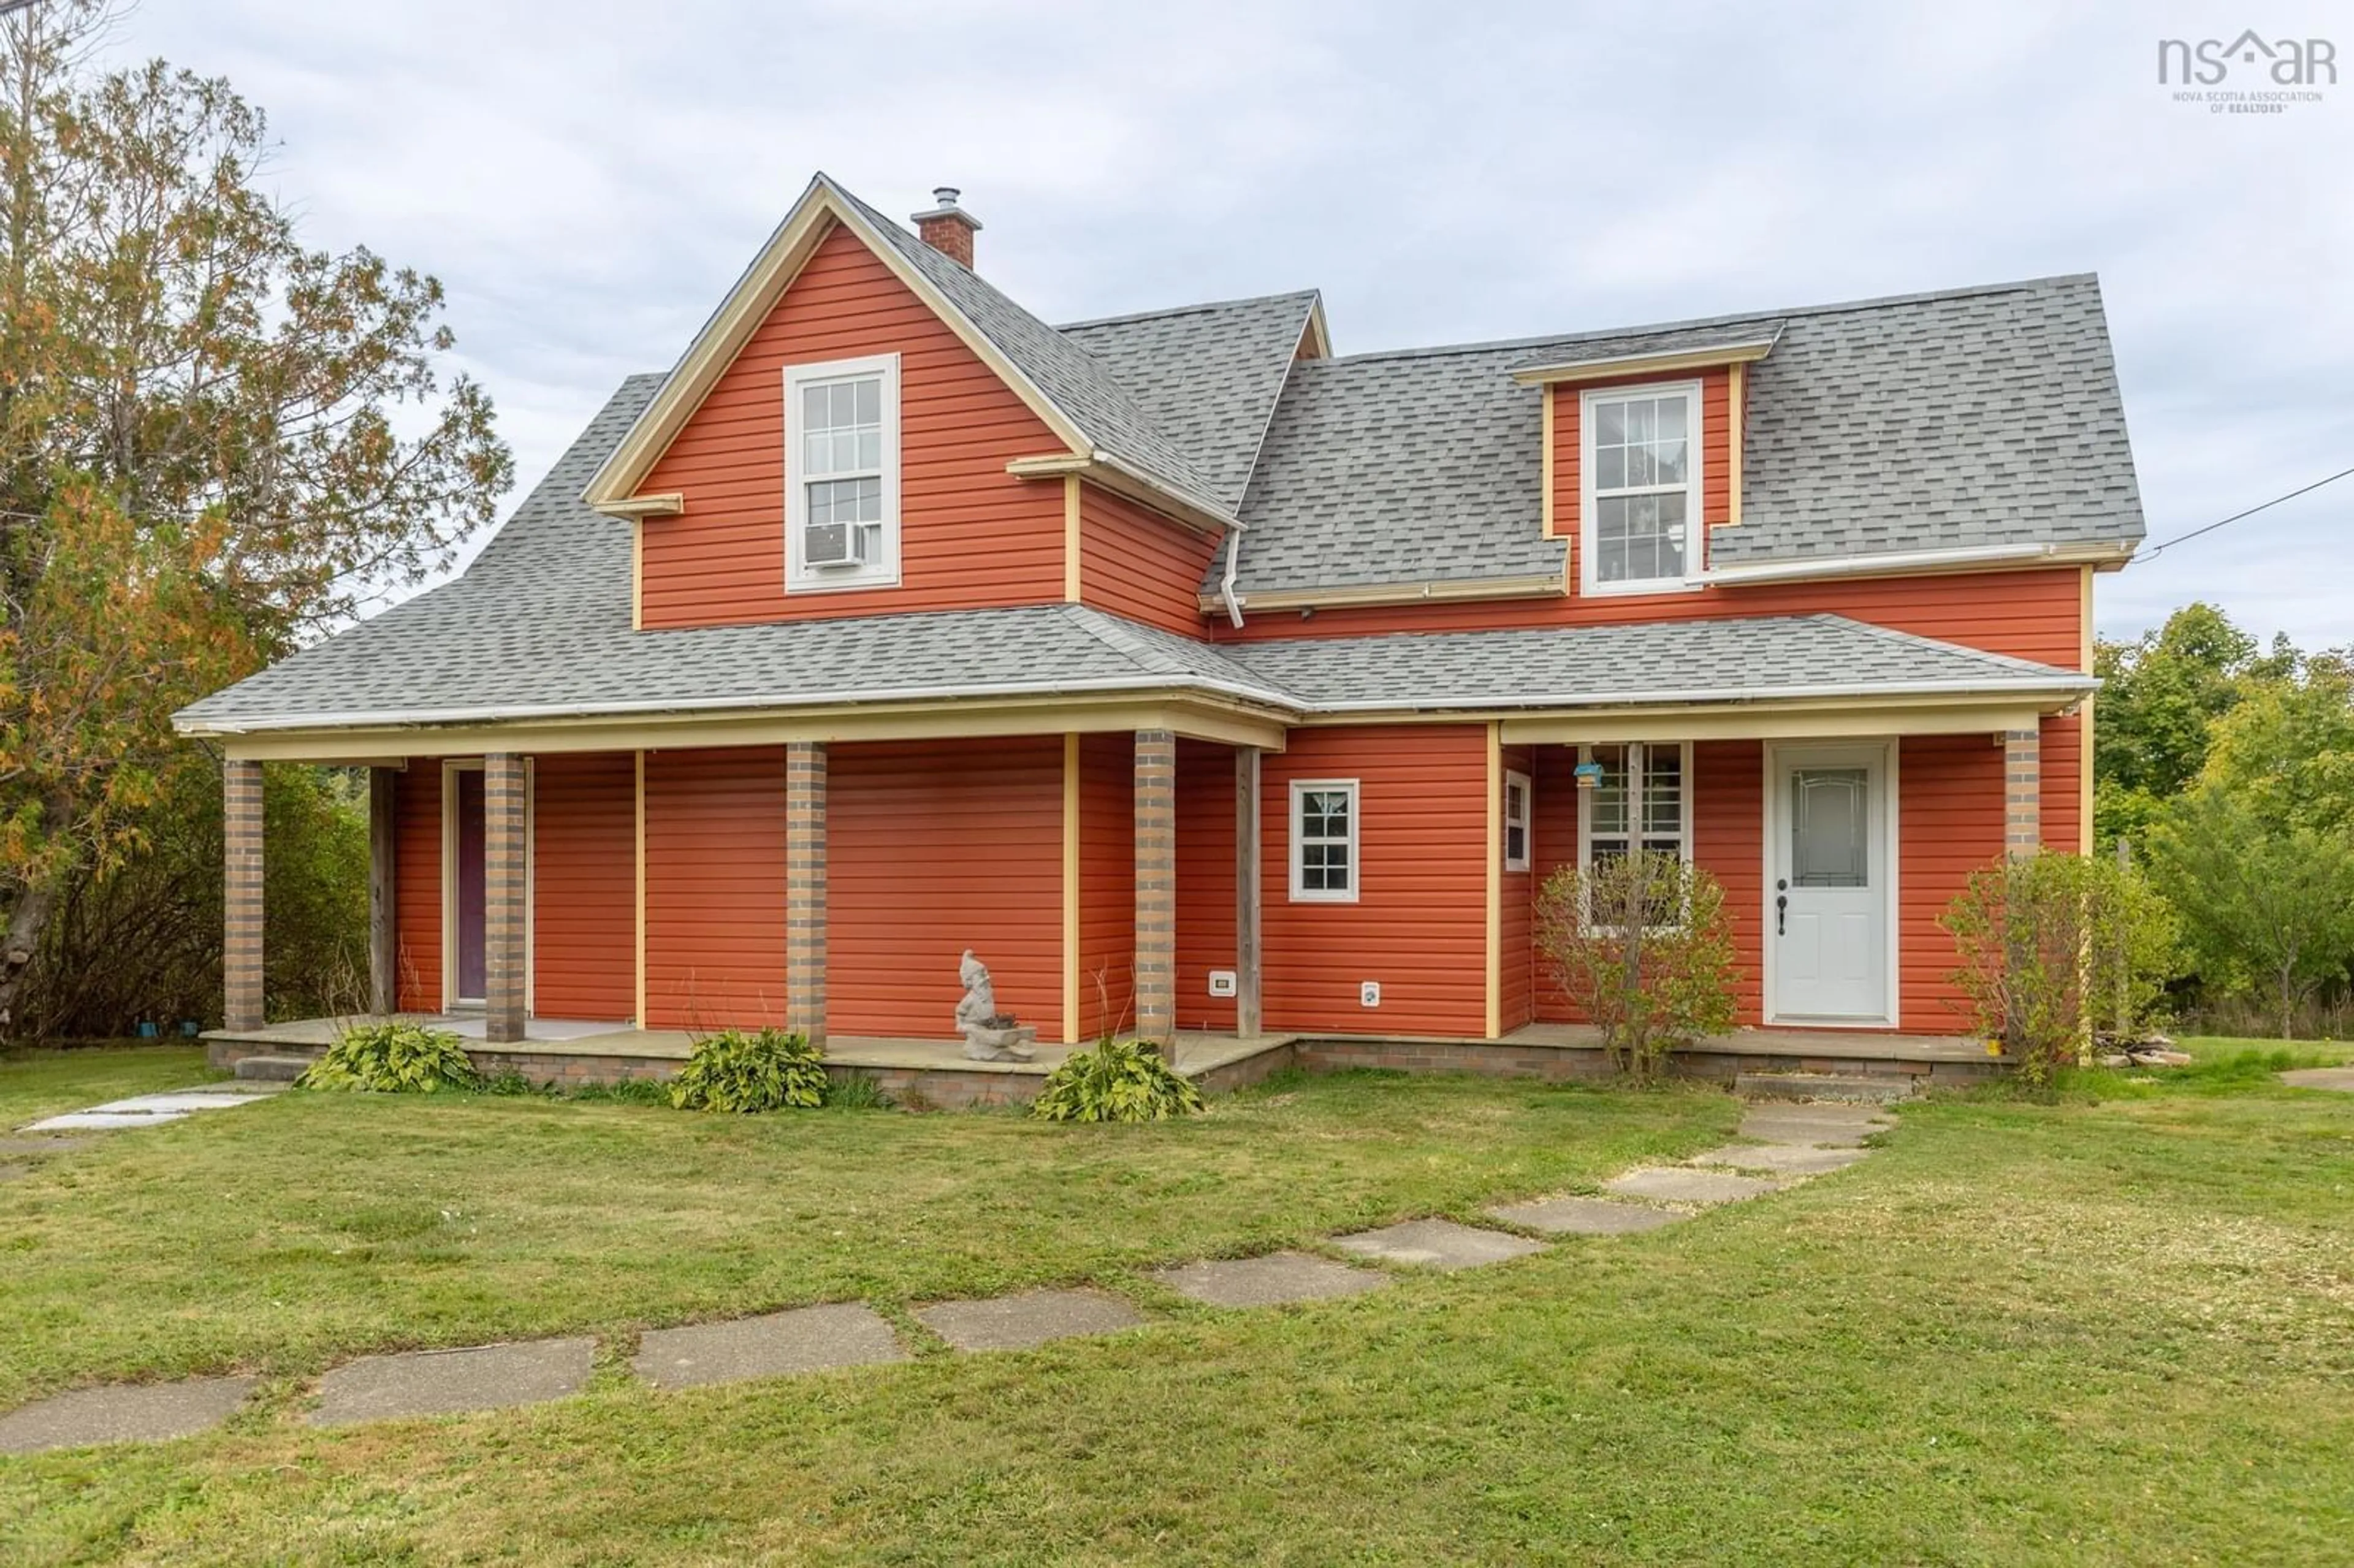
(842, 475)
(1640, 509)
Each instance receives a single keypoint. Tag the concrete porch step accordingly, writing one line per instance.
(270, 1069)
(1873, 1088)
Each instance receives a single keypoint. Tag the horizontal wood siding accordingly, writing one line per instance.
(934, 847)
(416, 882)
(584, 885)
(1517, 954)
(1205, 882)
(1729, 843)
(1107, 884)
(1949, 812)
(716, 887)
(971, 534)
(2030, 613)
(1419, 926)
(1143, 566)
(2063, 759)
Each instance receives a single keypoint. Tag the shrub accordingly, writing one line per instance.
(2053, 945)
(1119, 1080)
(393, 1058)
(736, 1071)
(1641, 944)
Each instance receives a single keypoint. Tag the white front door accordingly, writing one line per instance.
(1829, 882)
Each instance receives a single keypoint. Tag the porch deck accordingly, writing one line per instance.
(937, 1071)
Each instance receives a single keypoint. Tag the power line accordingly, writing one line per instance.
(2152, 554)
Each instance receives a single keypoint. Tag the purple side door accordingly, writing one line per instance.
(473, 982)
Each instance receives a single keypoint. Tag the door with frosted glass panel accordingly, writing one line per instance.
(1827, 902)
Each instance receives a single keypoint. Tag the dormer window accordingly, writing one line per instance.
(842, 475)
(1640, 507)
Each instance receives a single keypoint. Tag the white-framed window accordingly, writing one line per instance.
(842, 475)
(1517, 800)
(1639, 529)
(1643, 797)
(1324, 840)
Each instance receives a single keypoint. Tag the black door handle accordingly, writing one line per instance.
(1781, 914)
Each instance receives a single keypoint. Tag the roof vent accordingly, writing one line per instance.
(948, 227)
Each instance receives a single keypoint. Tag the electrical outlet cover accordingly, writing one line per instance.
(1222, 982)
(1369, 994)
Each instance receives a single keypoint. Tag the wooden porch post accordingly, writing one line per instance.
(241, 879)
(1156, 885)
(506, 962)
(1249, 1019)
(383, 951)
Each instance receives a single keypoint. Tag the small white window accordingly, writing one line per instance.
(1640, 526)
(1324, 840)
(842, 475)
(1643, 797)
(1516, 821)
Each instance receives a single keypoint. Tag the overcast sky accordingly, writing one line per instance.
(588, 180)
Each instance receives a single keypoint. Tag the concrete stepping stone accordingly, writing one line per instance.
(447, 1383)
(127, 1412)
(1269, 1281)
(1585, 1217)
(1438, 1244)
(806, 1340)
(1681, 1184)
(144, 1110)
(1784, 1159)
(1030, 1319)
(1817, 1134)
(2340, 1079)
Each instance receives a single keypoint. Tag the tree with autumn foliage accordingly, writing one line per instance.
(214, 441)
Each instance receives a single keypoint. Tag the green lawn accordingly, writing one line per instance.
(2112, 1329)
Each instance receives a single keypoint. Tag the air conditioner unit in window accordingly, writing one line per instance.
(831, 545)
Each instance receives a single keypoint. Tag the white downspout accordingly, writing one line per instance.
(1226, 584)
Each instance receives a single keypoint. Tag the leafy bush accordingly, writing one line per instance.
(1641, 944)
(393, 1058)
(1119, 1080)
(736, 1071)
(2053, 945)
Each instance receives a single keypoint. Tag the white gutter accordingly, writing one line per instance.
(1743, 696)
(524, 713)
(1909, 561)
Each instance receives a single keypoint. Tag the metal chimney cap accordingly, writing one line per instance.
(946, 195)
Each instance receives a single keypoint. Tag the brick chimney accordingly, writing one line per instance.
(948, 227)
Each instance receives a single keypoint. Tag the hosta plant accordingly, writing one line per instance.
(1119, 1080)
(746, 1071)
(395, 1059)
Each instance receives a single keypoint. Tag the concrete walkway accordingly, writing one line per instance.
(154, 1110)
(2340, 1079)
(1791, 1142)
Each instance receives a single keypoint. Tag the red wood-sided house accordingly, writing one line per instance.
(1204, 679)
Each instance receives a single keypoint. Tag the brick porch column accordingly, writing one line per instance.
(805, 889)
(2022, 792)
(504, 959)
(241, 933)
(1156, 885)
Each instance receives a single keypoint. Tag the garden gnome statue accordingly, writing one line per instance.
(989, 1035)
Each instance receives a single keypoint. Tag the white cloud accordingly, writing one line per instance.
(589, 178)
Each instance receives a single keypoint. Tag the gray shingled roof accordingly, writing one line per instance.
(1600, 667)
(540, 622)
(1206, 376)
(1071, 378)
(1972, 418)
